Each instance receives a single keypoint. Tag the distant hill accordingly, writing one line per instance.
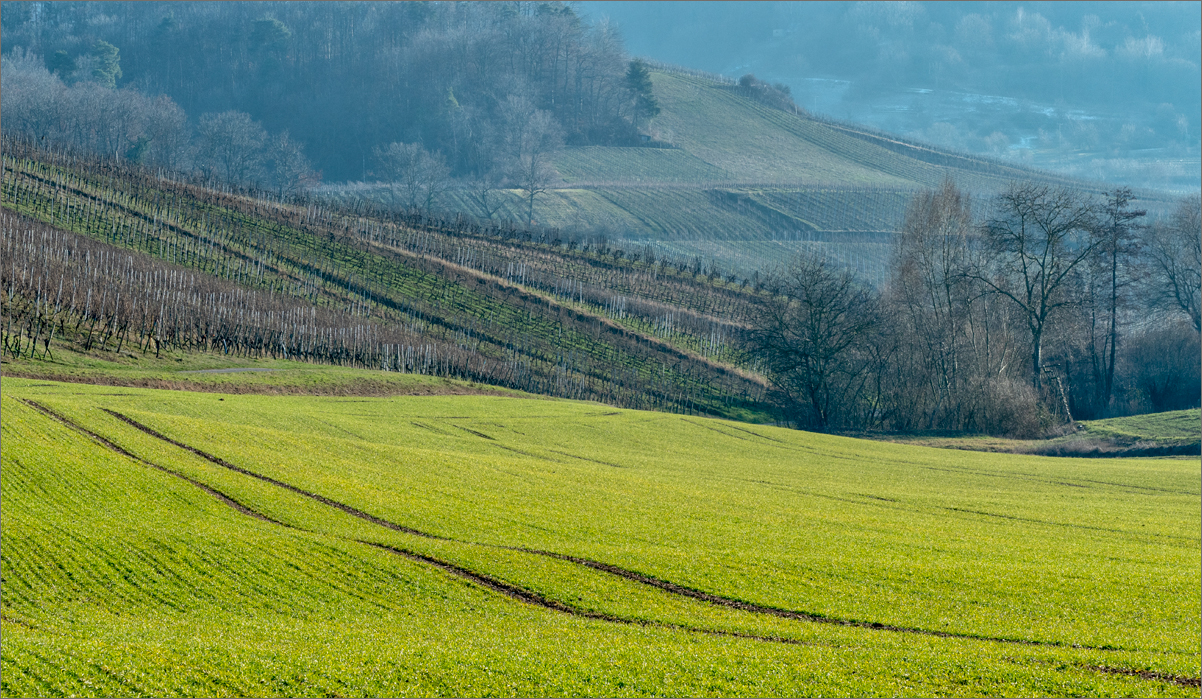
(740, 181)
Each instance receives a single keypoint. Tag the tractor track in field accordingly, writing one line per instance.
(518, 593)
(533, 598)
(267, 479)
(480, 579)
(19, 622)
(1182, 680)
(71, 424)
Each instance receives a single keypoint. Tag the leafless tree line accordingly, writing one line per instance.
(1055, 305)
(124, 124)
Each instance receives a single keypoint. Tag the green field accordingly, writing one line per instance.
(167, 543)
(218, 373)
(1175, 432)
(612, 164)
(1177, 425)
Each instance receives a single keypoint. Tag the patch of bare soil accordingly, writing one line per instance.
(1082, 447)
(1148, 675)
(359, 388)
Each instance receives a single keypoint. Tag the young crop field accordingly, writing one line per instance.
(749, 141)
(167, 543)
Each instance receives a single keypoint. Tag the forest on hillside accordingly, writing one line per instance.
(476, 86)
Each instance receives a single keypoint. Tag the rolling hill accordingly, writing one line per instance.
(145, 264)
(166, 543)
(748, 184)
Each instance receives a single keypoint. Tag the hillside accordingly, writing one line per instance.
(188, 543)
(204, 270)
(748, 184)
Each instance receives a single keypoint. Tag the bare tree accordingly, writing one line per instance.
(934, 298)
(533, 175)
(813, 335)
(290, 169)
(411, 170)
(1037, 236)
(32, 95)
(167, 133)
(230, 144)
(486, 191)
(1175, 258)
(531, 138)
(1117, 244)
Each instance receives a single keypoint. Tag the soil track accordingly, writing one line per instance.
(627, 574)
(480, 579)
(1148, 675)
(68, 422)
(538, 600)
(267, 479)
(366, 388)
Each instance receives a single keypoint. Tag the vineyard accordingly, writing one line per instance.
(684, 222)
(738, 172)
(102, 251)
(208, 544)
(596, 165)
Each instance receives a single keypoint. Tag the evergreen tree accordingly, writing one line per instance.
(107, 63)
(61, 64)
(638, 81)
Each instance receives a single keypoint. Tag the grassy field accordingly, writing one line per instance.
(1177, 425)
(610, 164)
(1175, 432)
(218, 373)
(197, 543)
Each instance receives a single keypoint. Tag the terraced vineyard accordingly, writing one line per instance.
(166, 543)
(738, 173)
(472, 302)
(596, 164)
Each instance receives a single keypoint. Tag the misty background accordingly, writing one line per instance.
(1100, 90)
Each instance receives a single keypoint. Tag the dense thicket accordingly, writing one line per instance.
(341, 79)
(1052, 306)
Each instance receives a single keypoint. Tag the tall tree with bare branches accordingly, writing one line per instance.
(1036, 238)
